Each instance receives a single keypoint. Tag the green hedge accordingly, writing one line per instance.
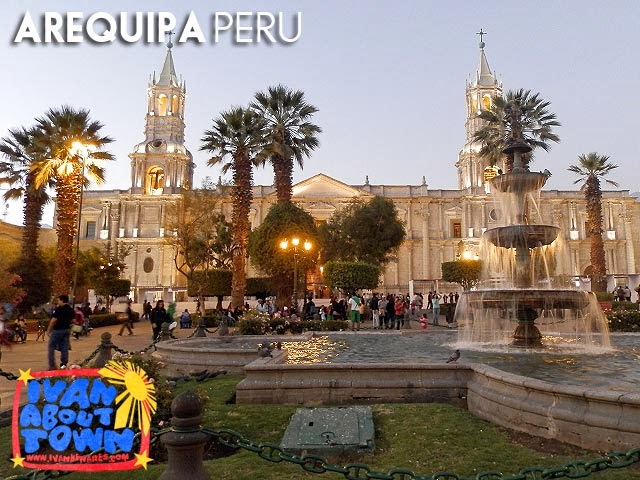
(282, 326)
(615, 306)
(103, 320)
(106, 319)
(624, 320)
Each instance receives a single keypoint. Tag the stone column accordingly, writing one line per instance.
(426, 257)
(628, 233)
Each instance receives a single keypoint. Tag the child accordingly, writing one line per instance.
(423, 321)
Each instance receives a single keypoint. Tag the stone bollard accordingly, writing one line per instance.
(105, 354)
(185, 443)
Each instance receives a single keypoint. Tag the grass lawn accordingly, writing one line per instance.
(424, 438)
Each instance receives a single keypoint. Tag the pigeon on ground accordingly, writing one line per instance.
(453, 358)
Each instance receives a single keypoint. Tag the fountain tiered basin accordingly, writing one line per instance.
(527, 236)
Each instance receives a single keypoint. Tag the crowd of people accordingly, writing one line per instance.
(384, 311)
(392, 311)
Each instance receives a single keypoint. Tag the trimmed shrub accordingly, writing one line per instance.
(623, 320)
(251, 326)
(335, 325)
(615, 306)
(103, 320)
(259, 287)
(604, 296)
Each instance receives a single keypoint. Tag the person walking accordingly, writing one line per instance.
(128, 321)
(59, 331)
(21, 328)
(146, 310)
(157, 317)
(77, 326)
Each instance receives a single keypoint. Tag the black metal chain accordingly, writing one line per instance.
(8, 375)
(144, 350)
(91, 356)
(360, 471)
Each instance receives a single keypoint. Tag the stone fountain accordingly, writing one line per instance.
(522, 251)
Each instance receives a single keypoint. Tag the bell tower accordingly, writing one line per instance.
(161, 164)
(481, 89)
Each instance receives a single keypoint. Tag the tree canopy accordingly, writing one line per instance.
(351, 276)
(369, 232)
(465, 272)
(590, 169)
(237, 137)
(284, 221)
(518, 109)
(290, 133)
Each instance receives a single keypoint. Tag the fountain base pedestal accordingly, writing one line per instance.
(527, 335)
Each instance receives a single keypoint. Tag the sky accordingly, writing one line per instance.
(387, 78)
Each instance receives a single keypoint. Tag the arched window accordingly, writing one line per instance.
(162, 105)
(174, 106)
(474, 104)
(155, 181)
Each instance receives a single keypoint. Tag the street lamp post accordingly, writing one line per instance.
(83, 151)
(296, 248)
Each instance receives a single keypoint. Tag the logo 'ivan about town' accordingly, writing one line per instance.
(83, 419)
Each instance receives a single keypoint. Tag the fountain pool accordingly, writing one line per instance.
(615, 368)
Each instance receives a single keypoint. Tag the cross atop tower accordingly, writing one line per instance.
(481, 33)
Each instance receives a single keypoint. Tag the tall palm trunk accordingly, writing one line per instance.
(242, 196)
(31, 268)
(593, 196)
(68, 193)
(32, 215)
(283, 178)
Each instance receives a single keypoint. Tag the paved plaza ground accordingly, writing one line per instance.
(33, 354)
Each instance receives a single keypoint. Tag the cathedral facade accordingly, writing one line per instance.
(441, 225)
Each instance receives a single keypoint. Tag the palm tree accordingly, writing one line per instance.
(20, 149)
(291, 135)
(591, 168)
(236, 137)
(535, 120)
(72, 142)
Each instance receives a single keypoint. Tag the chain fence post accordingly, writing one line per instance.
(185, 442)
(201, 328)
(105, 354)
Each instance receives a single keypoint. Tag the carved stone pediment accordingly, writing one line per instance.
(324, 187)
(455, 211)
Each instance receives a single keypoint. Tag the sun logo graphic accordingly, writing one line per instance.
(83, 419)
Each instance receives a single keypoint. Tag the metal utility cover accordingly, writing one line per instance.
(330, 430)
